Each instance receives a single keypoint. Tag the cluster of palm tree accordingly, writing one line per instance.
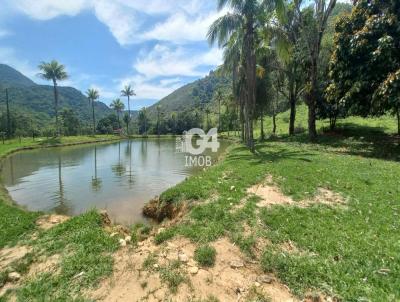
(55, 72)
(254, 29)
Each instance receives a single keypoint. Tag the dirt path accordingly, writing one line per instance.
(232, 278)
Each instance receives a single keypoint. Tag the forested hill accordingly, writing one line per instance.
(192, 95)
(35, 101)
(11, 77)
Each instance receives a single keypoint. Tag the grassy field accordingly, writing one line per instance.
(351, 253)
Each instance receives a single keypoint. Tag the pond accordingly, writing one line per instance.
(119, 176)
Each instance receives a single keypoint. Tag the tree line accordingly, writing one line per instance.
(298, 51)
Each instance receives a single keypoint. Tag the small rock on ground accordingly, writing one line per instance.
(183, 258)
(265, 279)
(193, 270)
(236, 264)
(14, 276)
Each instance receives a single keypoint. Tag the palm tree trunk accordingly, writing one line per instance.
(219, 113)
(56, 105)
(129, 115)
(312, 102)
(262, 125)
(250, 70)
(398, 120)
(119, 120)
(8, 116)
(94, 121)
(292, 101)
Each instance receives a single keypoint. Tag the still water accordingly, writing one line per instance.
(119, 176)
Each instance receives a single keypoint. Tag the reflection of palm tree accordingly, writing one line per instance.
(143, 150)
(130, 179)
(119, 168)
(61, 208)
(96, 182)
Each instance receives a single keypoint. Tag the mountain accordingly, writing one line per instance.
(37, 101)
(192, 95)
(11, 77)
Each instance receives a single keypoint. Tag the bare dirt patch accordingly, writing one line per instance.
(9, 255)
(48, 221)
(270, 195)
(328, 197)
(45, 265)
(232, 278)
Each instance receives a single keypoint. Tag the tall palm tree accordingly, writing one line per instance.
(219, 97)
(53, 71)
(243, 20)
(93, 95)
(208, 112)
(128, 92)
(118, 106)
(158, 119)
(312, 33)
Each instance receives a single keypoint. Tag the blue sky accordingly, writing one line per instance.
(155, 45)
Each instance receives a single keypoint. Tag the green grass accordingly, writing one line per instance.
(85, 250)
(205, 255)
(345, 248)
(16, 144)
(173, 276)
(15, 223)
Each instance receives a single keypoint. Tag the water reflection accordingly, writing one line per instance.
(59, 195)
(119, 176)
(96, 181)
(119, 169)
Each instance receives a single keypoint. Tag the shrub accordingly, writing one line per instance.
(205, 255)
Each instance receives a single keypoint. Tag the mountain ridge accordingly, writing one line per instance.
(29, 98)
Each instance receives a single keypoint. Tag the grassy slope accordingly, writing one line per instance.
(346, 248)
(81, 242)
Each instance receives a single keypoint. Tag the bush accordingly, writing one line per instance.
(205, 255)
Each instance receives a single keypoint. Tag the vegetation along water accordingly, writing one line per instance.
(293, 196)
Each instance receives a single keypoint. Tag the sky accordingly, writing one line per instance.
(155, 45)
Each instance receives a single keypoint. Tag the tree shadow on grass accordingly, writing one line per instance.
(353, 139)
(264, 153)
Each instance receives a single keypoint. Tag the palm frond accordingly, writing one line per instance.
(52, 71)
(92, 94)
(222, 28)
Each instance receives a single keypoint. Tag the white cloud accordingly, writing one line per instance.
(48, 9)
(4, 33)
(104, 92)
(164, 61)
(8, 56)
(121, 21)
(182, 20)
(147, 89)
(160, 71)
(180, 28)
